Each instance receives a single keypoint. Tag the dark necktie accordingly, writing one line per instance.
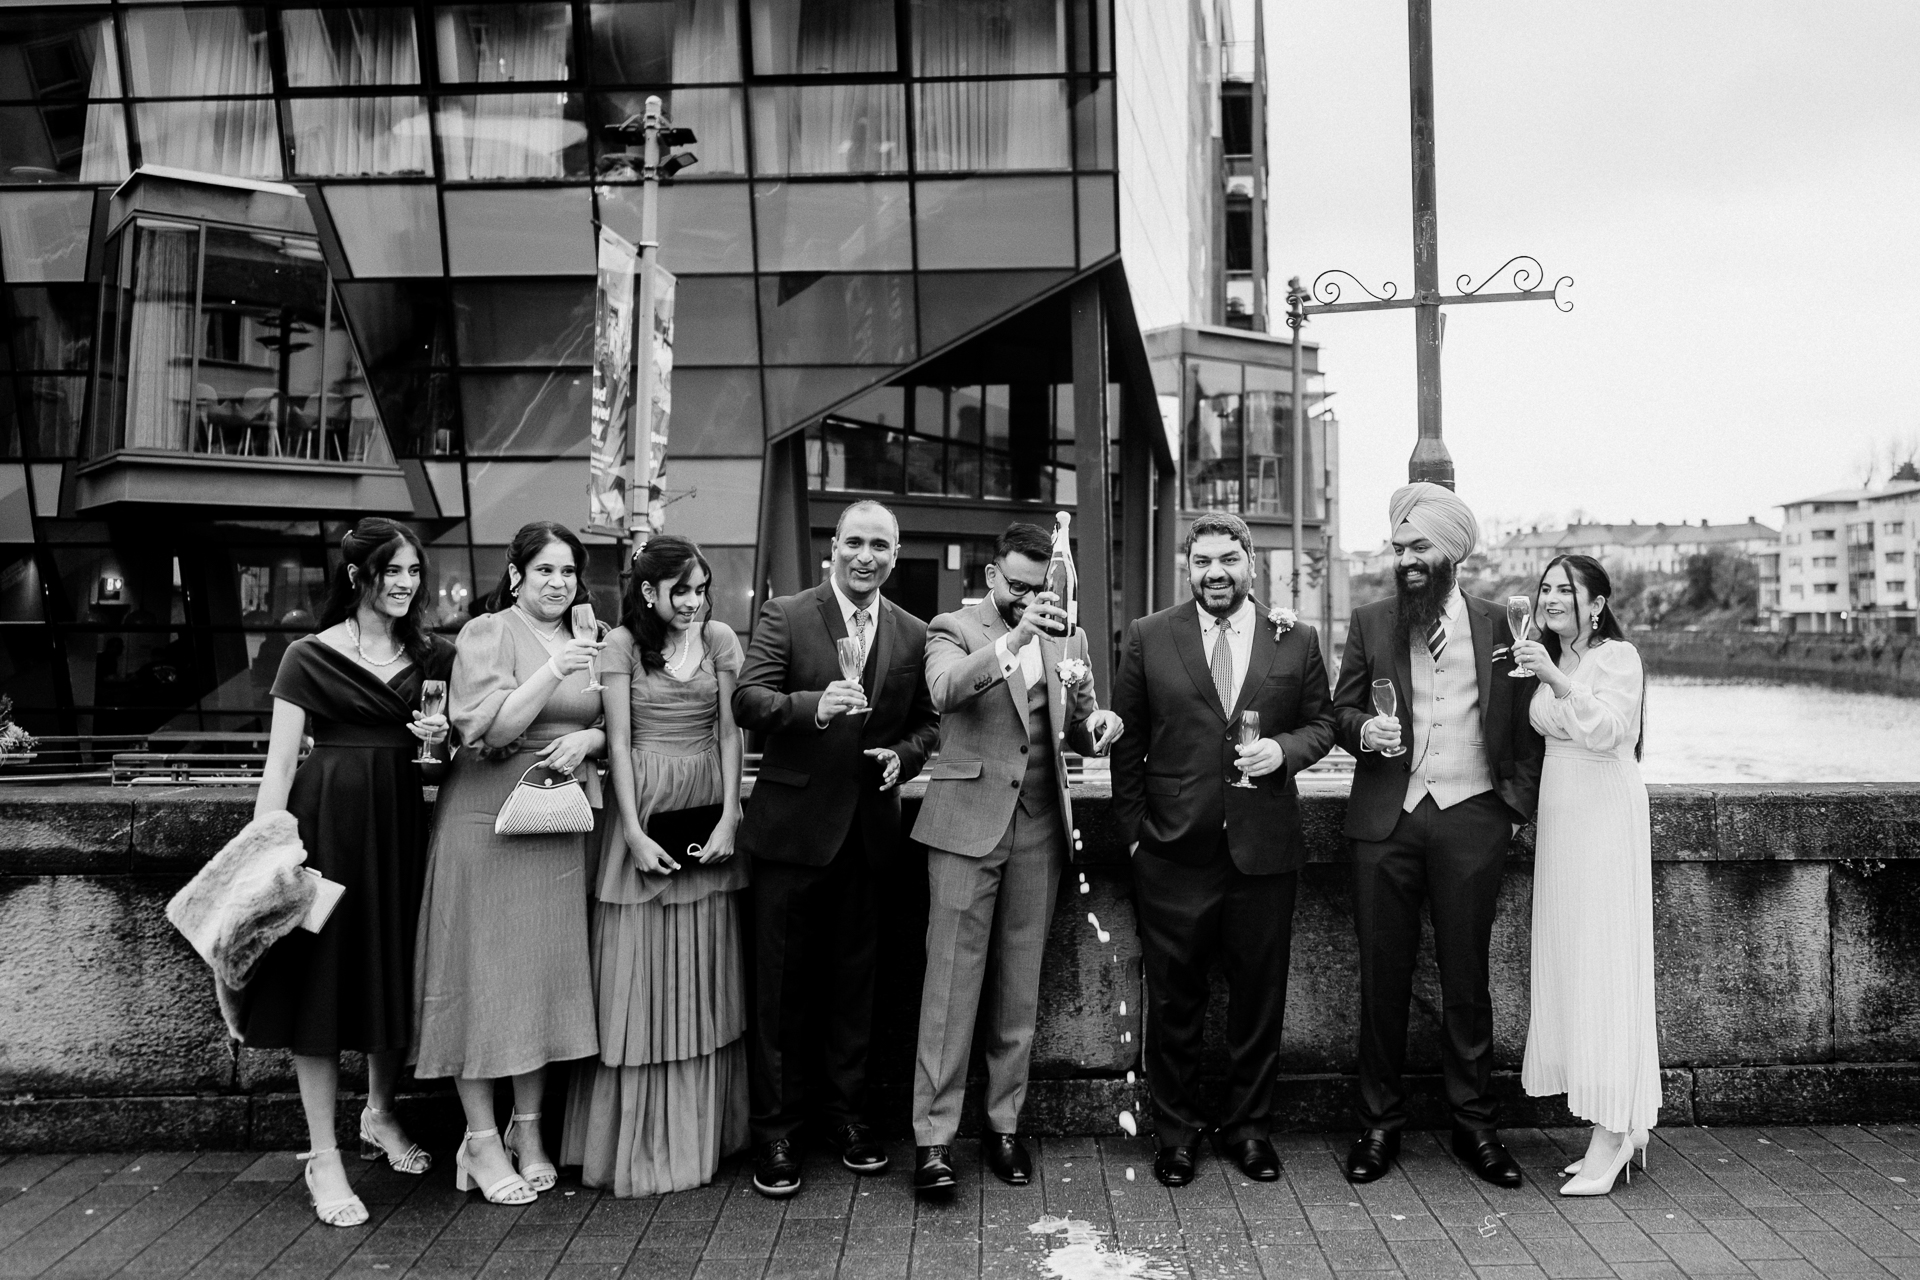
(1223, 667)
(860, 634)
(1437, 640)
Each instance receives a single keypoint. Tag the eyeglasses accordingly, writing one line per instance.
(1017, 588)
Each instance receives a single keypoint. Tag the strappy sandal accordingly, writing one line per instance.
(541, 1175)
(413, 1160)
(350, 1212)
(512, 1189)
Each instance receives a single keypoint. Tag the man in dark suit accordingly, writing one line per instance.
(1439, 787)
(824, 817)
(1216, 865)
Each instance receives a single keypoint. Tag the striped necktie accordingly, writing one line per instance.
(1437, 639)
(1223, 667)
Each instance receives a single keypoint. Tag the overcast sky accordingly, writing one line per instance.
(1734, 186)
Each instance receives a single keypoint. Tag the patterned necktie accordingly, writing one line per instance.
(1437, 640)
(860, 617)
(1223, 667)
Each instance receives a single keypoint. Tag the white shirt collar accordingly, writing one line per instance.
(1455, 601)
(1234, 623)
(847, 606)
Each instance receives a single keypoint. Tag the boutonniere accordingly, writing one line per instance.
(1073, 672)
(1282, 620)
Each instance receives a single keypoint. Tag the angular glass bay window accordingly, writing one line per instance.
(220, 341)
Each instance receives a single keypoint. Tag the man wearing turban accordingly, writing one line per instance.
(1444, 773)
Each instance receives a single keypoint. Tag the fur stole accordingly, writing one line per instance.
(249, 896)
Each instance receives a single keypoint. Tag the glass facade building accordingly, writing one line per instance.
(268, 268)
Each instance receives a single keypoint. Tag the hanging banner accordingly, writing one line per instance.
(655, 361)
(610, 426)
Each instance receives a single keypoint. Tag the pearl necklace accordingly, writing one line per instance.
(399, 651)
(676, 665)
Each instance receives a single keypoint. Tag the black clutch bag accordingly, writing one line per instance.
(684, 831)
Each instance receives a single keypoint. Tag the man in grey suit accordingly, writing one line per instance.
(997, 822)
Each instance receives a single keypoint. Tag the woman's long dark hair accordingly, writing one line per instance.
(365, 553)
(665, 560)
(530, 542)
(1591, 574)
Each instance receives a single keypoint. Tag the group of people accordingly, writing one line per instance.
(694, 1020)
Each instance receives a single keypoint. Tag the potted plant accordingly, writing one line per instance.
(16, 744)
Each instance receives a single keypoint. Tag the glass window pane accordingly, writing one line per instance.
(192, 53)
(883, 406)
(486, 137)
(49, 415)
(1093, 124)
(835, 226)
(349, 48)
(513, 233)
(387, 230)
(716, 412)
(262, 364)
(715, 116)
(856, 459)
(988, 37)
(63, 142)
(731, 589)
(361, 137)
(703, 227)
(996, 124)
(1212, 446)
(794, 395)
(508, 494)
(451, 581)
(955, 303)
(822, 37)
(665, 41)
(57, 57)
(527, 413)
(713, 322)
(525, 322)
(52, 326)
(837, 319)
(963, 222)
(237, 139)
(1098, 236)
(926, 466)
(503, 43)
(722, 506)
(843, 128)
(157, 350)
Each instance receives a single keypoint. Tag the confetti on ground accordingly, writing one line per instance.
(1123, 1008)
(1129, 1081)
(1490, 1226)
(1398, 1217)
(1086, 1257)
(1085, 887)
(1126, 1122)
(1126, 1037)
(1129, 1173)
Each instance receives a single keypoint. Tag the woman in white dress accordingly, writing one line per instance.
(1592, 1034)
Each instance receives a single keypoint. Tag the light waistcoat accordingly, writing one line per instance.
(1037, 793)
(1449, 751)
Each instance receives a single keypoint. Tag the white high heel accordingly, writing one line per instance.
(540, 1175)
(1602, 1184)
(413, 1160)
(512, 1189)
(1640, 1139)
(350, 1212)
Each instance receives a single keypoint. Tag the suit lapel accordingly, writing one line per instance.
(880, 654)
(1016, 684)
(1259, 662)
(830, 611)
(1193, 655)
(1402, 674)
(1482, 624)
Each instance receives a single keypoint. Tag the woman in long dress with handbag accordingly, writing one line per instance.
(502, 987)
(667, 1097)
(1592, 1034)
(356, 798)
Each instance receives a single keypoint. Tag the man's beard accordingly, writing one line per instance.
(1240, 592)
(1010, 610)
(1421, 607)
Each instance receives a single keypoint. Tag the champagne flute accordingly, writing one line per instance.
(1249, 734)
(1384, 703)
(1520, 622)
(587, 627)
(847, 649)
(433, 700)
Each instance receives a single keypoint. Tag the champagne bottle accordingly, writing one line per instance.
(1062, 578)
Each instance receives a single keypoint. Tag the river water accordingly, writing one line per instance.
(1740, 731)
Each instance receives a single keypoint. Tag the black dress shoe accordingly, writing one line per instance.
(1481, 1151)
(1373, 1153)
(1006, 1155)
(859, 1150)
(1174, 1165)
(933, 1170)
(776, 1169)
(1256, 1159)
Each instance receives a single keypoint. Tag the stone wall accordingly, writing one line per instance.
(1877, 663)
(1786, 945)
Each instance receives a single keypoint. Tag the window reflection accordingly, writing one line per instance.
(822, 37)
(360, 137)
(839, 226)
(995, 124)
(714, 322)
(524, 322)
(502, 43)
(349, 48)
(46, 415)
(68, 68)
(512, 233)
(716, 413)
(1213, 440)
(486, 137)
(703, 227)
(998, 442)
(1098, 236)
(847, 128)
(193, 53)
(963, 222)
(235, 138)
(539, 414)
(387, 230)
(665, 41)
(715, 116)
(1093, 124)
(837, 319)
(51, 326)
(989, 37)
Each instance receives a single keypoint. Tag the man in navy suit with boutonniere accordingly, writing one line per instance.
(1215, 830)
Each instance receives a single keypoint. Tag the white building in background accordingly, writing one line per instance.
(1632, 547)
(1847, 559)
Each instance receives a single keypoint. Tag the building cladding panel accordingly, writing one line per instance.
(948, 172)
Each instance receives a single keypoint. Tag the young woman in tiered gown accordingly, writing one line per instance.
(1592, 1034)
(667, 1096)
